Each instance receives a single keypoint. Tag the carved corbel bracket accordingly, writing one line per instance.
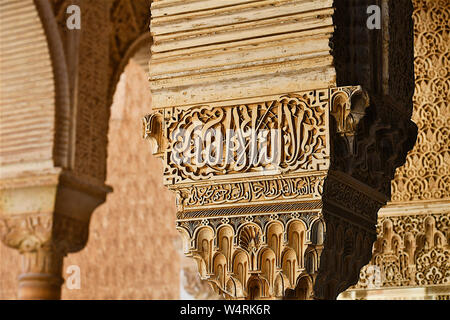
(152, 131)
(347, 111)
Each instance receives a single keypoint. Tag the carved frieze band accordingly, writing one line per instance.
(309, 187)
(426, 173)
(269, 252)
(350, 197)
(279, 136)
(256, 194)
(280, 208)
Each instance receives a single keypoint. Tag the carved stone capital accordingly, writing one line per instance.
(295, 226)
(46, 216)
(48, 210)
(280, 147)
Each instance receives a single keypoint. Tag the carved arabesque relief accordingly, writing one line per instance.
(346, 251)
(426, 174)
(339, 145)
(233, 136)
(95, 57)
(374, 160)
(382, 62)
(209, 142)
(411, 250)
(251, 191)
(43, 241)
(261, 234)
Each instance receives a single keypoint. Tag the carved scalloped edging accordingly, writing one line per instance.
(233, 252)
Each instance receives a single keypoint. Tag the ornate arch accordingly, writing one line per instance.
(57, 112)
(116, 28)
(130, 23)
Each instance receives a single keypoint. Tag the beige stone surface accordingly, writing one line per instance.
(206, 51)
(130, 253)
(9, 271)
(257, 229)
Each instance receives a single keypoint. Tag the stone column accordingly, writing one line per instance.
(280, 149)
(41, 275)
(45, 217)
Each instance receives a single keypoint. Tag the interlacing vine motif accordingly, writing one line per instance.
(274, 137)
(419, 255)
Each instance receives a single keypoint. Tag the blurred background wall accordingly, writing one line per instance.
(131, 252)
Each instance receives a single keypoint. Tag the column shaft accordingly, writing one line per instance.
(41, 276)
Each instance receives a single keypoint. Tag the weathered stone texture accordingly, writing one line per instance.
(426, 174)
(130, 253)
(215, 52)
(257, 229)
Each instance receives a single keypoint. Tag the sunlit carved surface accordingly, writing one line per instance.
(299, 223)
(426, 174)
(258, 156)
(259, 232)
